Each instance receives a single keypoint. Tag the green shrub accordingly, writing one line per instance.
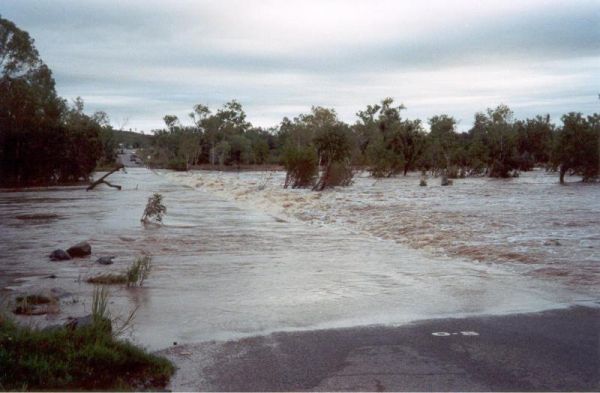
(335, 174)
(178, 164)
(301, 165)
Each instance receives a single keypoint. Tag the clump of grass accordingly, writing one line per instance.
(108, 279)
(34, 299)
(100, 312)
(138, 271)
(35, 305)
(85, 358)
(135, 275)
(154, 209)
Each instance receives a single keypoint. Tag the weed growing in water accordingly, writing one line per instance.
(154, 209)
(138, 271)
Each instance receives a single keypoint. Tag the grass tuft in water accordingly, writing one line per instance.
(139, 271)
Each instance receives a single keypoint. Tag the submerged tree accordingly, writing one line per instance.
(154, 209)
(577, 146)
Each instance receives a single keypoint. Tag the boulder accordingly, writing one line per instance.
(59, 255)
(105, 260)
(80, 250)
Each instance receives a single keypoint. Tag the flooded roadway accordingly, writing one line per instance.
(221, 270)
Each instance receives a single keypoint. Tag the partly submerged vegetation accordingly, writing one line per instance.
(135, 275)
(138, 271)
(154, 210)
(86, 357)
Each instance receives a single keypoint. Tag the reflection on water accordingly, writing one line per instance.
(221, 271)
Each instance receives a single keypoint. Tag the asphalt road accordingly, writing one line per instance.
(550, 351)
(127, 158)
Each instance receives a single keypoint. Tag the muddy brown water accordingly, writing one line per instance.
(224, 270)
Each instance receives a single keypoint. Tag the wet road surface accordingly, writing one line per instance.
(555, 350)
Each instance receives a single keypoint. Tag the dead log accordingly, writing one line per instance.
(101, 180)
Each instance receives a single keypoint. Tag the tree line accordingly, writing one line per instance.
(319, 150)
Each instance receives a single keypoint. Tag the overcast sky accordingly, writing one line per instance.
(140, 60)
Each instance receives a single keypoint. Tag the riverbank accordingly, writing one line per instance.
(554, 350)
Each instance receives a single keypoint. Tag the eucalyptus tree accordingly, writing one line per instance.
(42, 140)
(577, 146)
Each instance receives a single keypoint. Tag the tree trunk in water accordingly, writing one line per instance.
(101, 180)
(562, 174)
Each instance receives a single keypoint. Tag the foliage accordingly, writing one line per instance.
(154, 209)
(334, 148)
(139, 271)
(178, 164)
(301, 165)
(42, 140)
(84, 358)
(395, 145)
(577, 147)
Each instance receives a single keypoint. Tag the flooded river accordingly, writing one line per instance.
(238, 256)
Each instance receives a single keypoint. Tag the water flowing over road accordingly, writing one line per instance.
(224, 270)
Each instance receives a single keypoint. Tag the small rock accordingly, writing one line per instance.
(59, 255)
(552, 242)
(80, 250)
(105, 260)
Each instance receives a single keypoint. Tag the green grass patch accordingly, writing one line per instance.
(85, 358)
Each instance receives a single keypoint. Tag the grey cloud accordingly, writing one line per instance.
(154, 58)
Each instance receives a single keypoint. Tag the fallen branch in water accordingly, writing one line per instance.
(101, 180)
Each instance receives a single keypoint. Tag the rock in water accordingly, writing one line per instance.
(80, 250)
(105, 260)
(59, 255)
(445, 181)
